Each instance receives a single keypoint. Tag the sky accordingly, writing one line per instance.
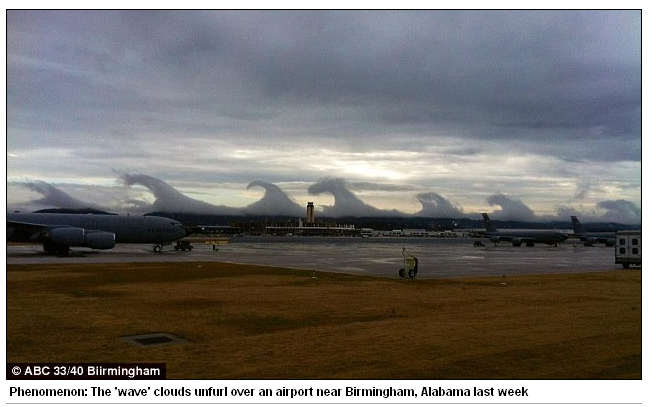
(527, 115)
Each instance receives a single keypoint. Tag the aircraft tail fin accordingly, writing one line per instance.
(577, 226)
(489, 226)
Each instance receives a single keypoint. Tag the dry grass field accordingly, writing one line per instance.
(256, 322)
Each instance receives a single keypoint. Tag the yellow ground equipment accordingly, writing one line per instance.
(411, 265)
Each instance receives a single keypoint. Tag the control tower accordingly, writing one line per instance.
(310, 213)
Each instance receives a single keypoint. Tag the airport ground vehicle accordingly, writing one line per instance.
(628, 248)
(411, 265)
(183, 245)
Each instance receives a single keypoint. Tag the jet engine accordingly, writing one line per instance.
(96, 239)
(67, 236)
(517, 241)
(72, 236)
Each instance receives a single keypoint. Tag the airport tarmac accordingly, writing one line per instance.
(438, 258)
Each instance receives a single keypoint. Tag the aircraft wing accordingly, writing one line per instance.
(527, 239)
(516, 240)
(26, 232)
(60, 236)
(512, 238)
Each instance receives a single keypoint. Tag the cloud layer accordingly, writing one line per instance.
(541, 106)
(276, 202)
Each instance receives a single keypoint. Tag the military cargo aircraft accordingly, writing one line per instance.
(58, 232)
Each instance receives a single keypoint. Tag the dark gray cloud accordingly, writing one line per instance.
(501, 74)
(295, 96)
(435, 205)
(52, 197)
(55, 197)
(511, 209)
(346, 202)
(169, 199)
(621, 210)
(274, 202)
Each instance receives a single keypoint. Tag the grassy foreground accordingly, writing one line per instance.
(254, 322)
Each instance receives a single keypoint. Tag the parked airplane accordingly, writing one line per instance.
(590, 238)
(517, 237)
(59, 231)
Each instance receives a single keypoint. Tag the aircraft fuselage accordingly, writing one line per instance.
(126, 228)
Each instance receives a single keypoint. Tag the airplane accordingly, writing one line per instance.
(59, 231)
(590, 238)
(517, 237)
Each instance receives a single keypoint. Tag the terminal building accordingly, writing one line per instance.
(311, 227)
